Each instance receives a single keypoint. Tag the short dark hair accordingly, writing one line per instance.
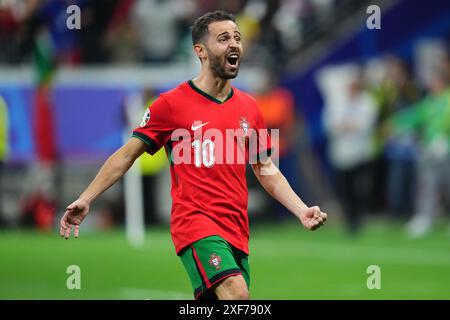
(200, 27)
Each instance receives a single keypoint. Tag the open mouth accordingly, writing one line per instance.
(232, 59)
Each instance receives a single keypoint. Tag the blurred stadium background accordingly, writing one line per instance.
(365, 133)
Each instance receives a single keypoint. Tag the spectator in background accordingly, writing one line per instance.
(10, 18)
(350, 127)
(26, 24)
(296, 21)
(270, 49)
(46, 27)
(430, 118)
(248, 20)
(278, 110)
(396, 93)
(157, 25)
(121, 39)
(95, 20)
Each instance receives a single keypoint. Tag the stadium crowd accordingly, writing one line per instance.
(388, 143)
(155, 31)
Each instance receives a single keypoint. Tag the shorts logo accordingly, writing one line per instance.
(146, 118)
(215, 261)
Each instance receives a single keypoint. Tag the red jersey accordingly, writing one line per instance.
(207, 143)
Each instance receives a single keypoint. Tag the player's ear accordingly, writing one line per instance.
(200, 51)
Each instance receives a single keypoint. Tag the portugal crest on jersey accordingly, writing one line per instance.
(215, 261)
(146, 118)
(243, 123)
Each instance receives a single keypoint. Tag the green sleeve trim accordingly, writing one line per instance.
(152, 146)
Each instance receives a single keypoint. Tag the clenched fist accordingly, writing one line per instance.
(312, 218)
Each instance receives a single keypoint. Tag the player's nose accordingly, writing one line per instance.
(234, 44)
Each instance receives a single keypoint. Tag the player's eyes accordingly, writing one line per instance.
(225, 39)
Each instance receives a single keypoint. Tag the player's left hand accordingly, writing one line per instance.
(312, 218)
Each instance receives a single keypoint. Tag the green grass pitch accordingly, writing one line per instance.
(286, 262)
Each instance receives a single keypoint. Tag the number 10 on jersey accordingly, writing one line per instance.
(203, 153)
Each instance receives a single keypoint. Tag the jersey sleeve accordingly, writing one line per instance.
(264, 142)
(156, 126)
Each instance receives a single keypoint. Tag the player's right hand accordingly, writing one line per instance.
(74, 215)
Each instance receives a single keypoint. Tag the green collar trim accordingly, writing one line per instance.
(203, 93)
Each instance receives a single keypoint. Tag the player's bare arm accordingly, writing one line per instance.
(111, 171)
(278, 187)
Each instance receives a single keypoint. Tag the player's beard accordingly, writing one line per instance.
(217, 66)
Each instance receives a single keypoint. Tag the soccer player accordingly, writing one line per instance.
(209, 220)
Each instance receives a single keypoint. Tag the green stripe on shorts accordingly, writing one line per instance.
(212, 259)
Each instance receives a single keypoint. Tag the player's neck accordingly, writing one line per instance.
(214, 86)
